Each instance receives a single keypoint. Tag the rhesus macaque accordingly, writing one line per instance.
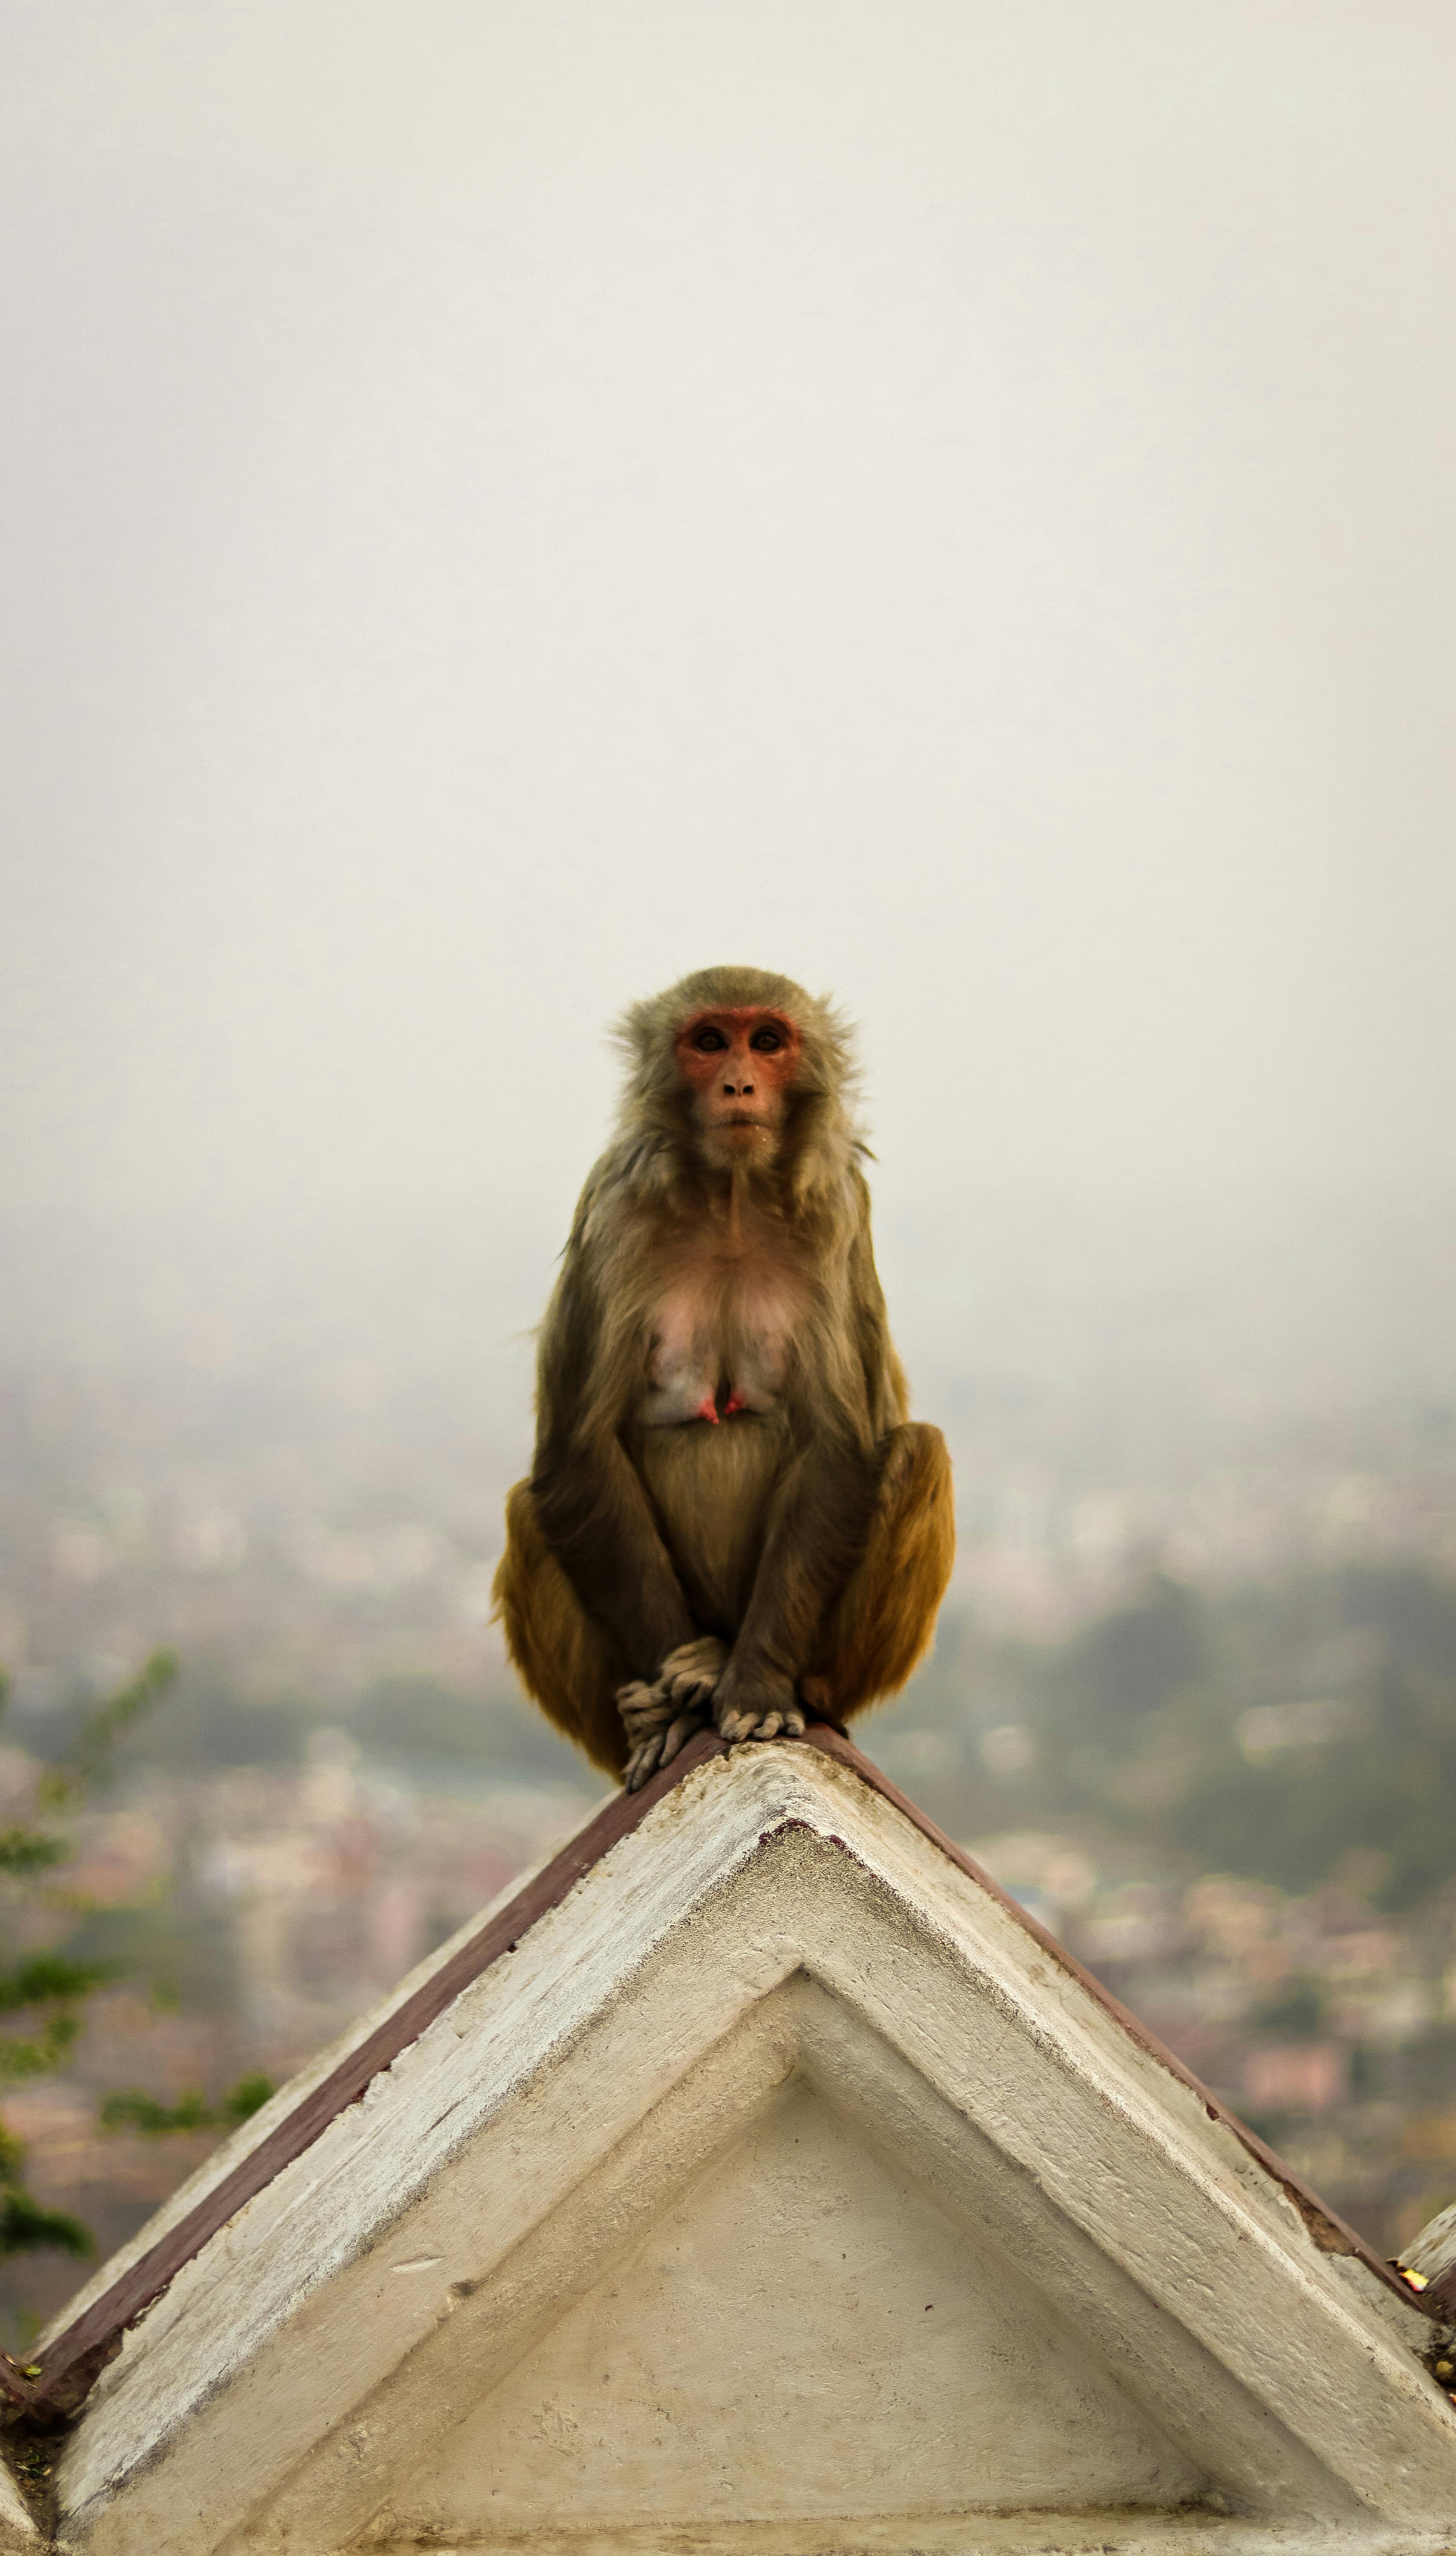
(730, 1516)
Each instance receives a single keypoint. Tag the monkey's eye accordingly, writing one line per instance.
(708, 1042)
(767, 1041)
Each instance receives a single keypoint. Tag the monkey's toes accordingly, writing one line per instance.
(678, 1731)
(782, 1721)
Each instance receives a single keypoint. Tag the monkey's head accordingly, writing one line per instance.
(739, 1069)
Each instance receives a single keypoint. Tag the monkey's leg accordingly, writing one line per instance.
(884, 1621)
(568, 1662)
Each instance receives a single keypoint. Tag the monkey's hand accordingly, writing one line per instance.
(659, 1717)
(757, 1704)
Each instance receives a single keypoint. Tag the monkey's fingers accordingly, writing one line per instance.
(642, 1763)
(682, 1728)
(689, 1692)
(644, 1710)
(690, 1673)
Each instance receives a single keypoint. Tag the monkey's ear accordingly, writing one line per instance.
(643, 1037)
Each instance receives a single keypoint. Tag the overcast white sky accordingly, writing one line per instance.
(505, 503)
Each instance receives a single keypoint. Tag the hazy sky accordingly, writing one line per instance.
(504, 504)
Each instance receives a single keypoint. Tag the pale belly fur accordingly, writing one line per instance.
(711, 1488)
(710, 1434)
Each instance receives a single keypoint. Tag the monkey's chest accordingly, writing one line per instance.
(714, 1352)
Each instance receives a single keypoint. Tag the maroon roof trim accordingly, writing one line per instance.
(78, 2355)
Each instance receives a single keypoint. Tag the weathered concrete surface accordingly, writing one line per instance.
(18, 2532)
(805, 2327)
(778, 2189)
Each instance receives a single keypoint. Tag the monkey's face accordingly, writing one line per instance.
(739, 1067)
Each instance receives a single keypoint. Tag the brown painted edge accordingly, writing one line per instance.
(1440, 2295)
(1331, 2234)
(81, 2350)
(78, 2353)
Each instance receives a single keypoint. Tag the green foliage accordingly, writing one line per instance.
(25, 2228)
(45, 1980)
(43, 2052)
(94, 1744)
(1132, 1729)
(53, 1985)
(44, 1977)
(248, 2096)
(133, 2110)
(27, 1851)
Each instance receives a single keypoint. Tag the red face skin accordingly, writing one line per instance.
(739, 1066)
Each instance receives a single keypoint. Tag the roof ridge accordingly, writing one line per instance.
(81, 2351)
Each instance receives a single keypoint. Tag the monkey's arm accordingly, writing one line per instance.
(589, 1498)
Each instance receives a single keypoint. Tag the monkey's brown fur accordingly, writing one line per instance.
(811, 1532)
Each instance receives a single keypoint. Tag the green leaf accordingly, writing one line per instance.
(25, 2228)
(131, 2109)
(45, 1979)
(12, 2158)
(247, 2097)
(29, 1850)
(37, 2056)
(101, 1729)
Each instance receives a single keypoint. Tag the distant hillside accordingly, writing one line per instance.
(1271, 1730)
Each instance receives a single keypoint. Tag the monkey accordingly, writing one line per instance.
(730, 1515)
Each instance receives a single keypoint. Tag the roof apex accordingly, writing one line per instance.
(76, 2348)
(770, 1945)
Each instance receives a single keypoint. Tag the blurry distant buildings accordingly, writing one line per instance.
(1329, 2027)
(257, 1912)
(1040, 1553)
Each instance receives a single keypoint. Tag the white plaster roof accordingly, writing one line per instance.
(718, 2094)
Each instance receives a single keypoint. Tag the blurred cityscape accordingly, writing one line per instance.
(1193, 1702)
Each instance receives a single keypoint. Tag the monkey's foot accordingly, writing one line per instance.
(660, 1715)
(661, 1738)
(762, 1712)
(691, 1674)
